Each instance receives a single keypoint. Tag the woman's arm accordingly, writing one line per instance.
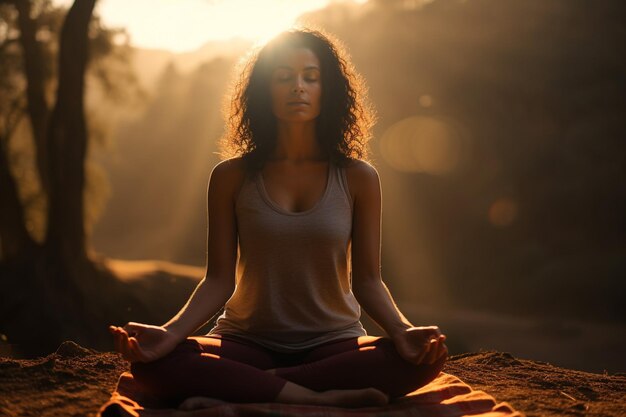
(145, 343)
(219, 280)
(413, 343)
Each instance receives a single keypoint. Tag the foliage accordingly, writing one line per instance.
(109, 72)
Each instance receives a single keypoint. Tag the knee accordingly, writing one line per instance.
(408, 376)
(429, 371)
(145, 372)
(164, 376)
(164, 365)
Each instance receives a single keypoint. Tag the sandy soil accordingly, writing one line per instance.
(75, 381)
(539, 388)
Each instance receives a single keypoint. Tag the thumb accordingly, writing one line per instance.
(133, 329)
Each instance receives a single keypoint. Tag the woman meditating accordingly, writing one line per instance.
(293, 254)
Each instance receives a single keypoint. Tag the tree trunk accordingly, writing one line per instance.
(38, 110)
(67, 139)
(14, 238)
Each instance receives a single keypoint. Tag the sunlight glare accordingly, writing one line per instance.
(186, 25)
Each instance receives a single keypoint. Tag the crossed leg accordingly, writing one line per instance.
(349, 372)
(367, 361)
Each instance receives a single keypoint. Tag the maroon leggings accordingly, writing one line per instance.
(230, 368)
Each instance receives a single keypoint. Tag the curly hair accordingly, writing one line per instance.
(346, 118)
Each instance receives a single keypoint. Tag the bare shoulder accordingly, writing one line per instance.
(229, 167)
(227, 176)
(362, 177)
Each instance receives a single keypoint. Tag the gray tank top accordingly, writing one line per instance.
(293, 279)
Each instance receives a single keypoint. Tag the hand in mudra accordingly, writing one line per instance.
(143, 342)
(421, 345)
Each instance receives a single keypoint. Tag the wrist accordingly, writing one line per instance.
(398, 330)
(174, 330)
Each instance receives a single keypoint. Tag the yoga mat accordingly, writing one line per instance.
(445, 396)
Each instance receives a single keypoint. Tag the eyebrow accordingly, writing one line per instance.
(310, 67)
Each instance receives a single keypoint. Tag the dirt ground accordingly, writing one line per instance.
(75, 381)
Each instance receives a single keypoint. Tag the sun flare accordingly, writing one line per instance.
(185, 25)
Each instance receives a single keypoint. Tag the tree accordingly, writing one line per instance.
(51, 283)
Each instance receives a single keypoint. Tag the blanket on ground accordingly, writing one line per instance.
(445, 396)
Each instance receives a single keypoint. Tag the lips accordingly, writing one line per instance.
(297, 103)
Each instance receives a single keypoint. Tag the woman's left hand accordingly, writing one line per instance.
(420, 345)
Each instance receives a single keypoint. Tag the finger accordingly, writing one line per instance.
(126, 351)
(117, 340)
(133, 355)
(413, 357)
(135, 352)
(429, 334)
(442, 351)
(435, 331)
(445, 351)
(136, 349)
(437, 351)
(423, 353)
(123, 340)
(131, 329)
(433, 346)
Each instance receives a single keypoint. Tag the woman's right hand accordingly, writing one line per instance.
(139, 342)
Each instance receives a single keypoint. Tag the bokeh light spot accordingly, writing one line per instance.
(422, 144)
(425, 100)
(502, 212)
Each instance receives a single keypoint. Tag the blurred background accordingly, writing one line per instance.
(500, 144)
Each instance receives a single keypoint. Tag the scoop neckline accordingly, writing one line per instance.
(276, 207)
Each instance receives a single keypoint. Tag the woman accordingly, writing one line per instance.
(294, 221)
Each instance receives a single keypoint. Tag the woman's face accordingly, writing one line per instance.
(296, 87)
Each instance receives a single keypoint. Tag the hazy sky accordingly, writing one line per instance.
(184, 25)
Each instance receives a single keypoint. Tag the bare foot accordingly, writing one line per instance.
(196, 403)
(366, 397)
(353, 398)
(271, 371)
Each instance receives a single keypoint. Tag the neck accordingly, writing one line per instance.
(297, 142)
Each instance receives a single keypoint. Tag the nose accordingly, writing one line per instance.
(298, 86)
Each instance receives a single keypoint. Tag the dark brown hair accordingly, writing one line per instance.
(343, 126)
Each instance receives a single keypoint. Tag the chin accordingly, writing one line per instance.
(297, 119)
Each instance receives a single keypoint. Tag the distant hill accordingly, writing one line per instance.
(149, 64)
